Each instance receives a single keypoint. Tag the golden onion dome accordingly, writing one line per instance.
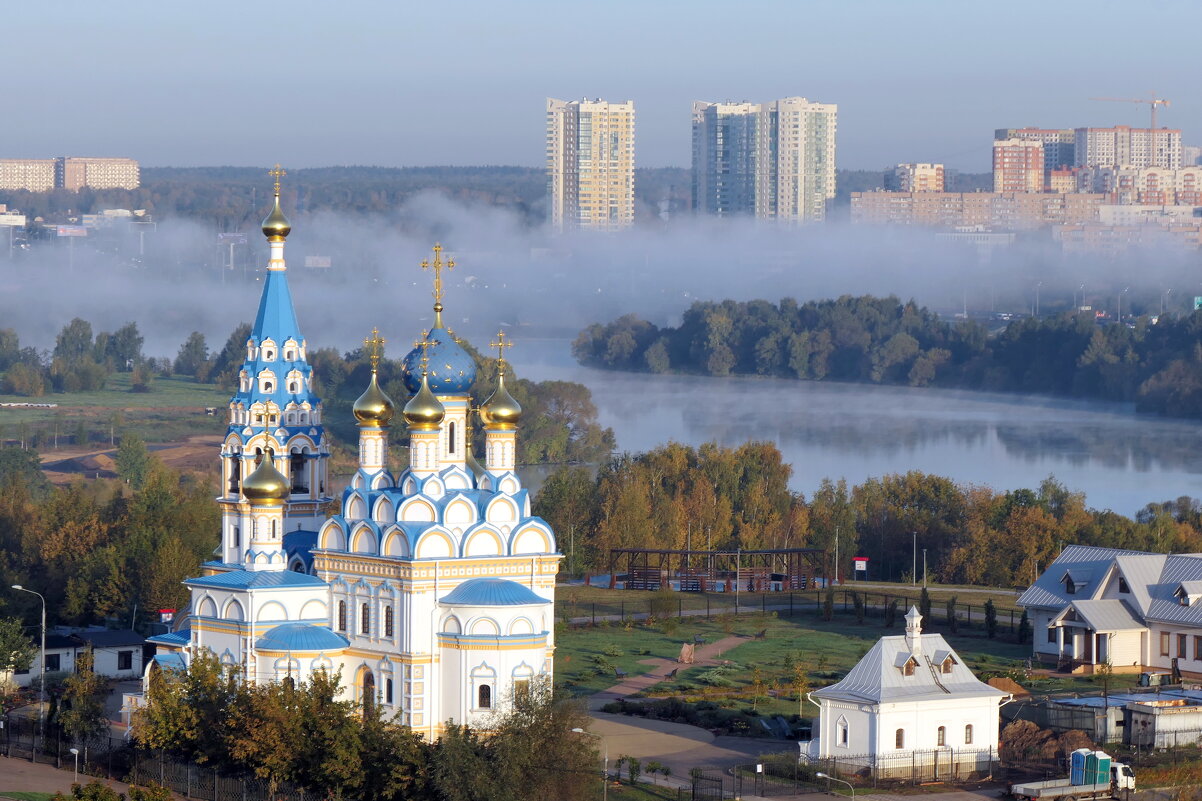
(501, 410)
(266, 486)
(276, 227)
(423, 412)
(374, 407)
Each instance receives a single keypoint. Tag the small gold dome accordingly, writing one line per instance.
(374, 407)
(424, 412)
(501, 410)
(266, 486)
(276, 227)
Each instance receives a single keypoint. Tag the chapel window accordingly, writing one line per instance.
(484, 697)
(899, 739)
(388, 621)
(451, 438)
(941, 736)
(968, 734)
(365, 619)
(342, 615)
(388, 691)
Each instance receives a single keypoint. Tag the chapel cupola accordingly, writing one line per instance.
(500, 415)
(914, 630)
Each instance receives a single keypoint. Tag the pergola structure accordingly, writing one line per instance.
(774, 570)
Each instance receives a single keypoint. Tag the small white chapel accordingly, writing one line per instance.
(909, 700)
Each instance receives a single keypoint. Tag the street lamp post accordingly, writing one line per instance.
(75, 753)
(42, 672)
(605, 772)
(924, 568)
(841, 781)
(914, 560)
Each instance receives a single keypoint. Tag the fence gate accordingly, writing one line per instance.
(707, 788)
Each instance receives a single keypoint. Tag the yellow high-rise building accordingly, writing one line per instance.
(590, 164)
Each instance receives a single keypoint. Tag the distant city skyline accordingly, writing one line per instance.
(412, 85)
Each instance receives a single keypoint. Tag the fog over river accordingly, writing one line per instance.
(1119, 459)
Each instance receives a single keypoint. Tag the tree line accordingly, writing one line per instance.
(1157, 365)
(307, 734)
(719, 498)
(79, 362)
(102, 550)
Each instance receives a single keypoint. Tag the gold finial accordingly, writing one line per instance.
(375, 347)
(437, 266)
(500, 345)
(277, 172)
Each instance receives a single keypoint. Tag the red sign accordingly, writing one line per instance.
(861, 564)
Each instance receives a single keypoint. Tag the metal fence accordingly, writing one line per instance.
(109, 757)
(909, 767)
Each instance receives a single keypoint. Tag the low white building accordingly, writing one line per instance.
(116, 654)
(910, 703)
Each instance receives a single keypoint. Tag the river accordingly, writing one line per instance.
(1119, 459)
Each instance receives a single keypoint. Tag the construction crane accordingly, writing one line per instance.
(1152, 102)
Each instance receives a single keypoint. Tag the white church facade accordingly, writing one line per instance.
(909, 704)
(431, 592)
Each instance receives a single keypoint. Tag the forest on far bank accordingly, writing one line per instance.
(1157, 365)
(719, 498)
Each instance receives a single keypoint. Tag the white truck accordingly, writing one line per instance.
(1121, 778)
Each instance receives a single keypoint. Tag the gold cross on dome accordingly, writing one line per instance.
(424, 343)
(501, 345)
(437, 266)
(375, 347)
(277, 172)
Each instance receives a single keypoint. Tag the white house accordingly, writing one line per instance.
(116, 654)
(910, 702)
(1132, 610)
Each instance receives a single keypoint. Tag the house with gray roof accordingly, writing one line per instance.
(909, 700)
(1132, 610)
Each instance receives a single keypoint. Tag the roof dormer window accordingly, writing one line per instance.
(1187, 592)
(1123, 587)
(947, 665)
(1070, 586)
(908, 666)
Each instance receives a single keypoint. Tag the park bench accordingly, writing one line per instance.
(619, 673)
(672, 675)
(698, 639)
(763, 635)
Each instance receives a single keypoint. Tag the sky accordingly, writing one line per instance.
(368, 82)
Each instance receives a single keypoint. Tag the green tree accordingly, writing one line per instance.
(133, 460)
(1024, 627)
(951, 614)
(24, 465)
(16, 649)
(990, 619)
(568, 502)
(74, 342)
(24, 379)
(193, 355)
(186, 712)
(81, 713)
(924, 604)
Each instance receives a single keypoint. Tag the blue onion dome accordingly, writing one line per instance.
(266, 486)
(452, 370)
(423, 412)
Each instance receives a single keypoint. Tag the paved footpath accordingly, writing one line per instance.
(22, 775)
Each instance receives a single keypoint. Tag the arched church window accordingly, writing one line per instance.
(275, 534)
(290, 355)
(342, 615)
(899, 738)
(365, 619)
(237, 537)
(299, 484)
(388, 621)
(484, 697)
(968, 734)
(269, 354)
(941, 736)
(268, 386)
(451, 438)
(292, 387)
(388, 691)
(235, 474)
(369, 692)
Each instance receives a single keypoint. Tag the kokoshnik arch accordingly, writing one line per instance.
(430, 591)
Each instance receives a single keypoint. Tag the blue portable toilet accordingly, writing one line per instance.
(1076, 771)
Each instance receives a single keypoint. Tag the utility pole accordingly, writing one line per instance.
(914, 561)
(924, 568)
(836, 554)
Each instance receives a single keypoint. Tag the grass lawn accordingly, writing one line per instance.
(585, 657)
(173, 410)
(24, 796)
(642, 792)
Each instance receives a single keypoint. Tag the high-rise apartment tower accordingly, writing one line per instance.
(915, 178)
(1018, 165)
(1128, 147)
(590, 164)
(772, 160)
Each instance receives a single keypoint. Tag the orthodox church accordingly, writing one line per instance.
(431, 591)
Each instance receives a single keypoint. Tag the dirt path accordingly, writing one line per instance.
(707, 654)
